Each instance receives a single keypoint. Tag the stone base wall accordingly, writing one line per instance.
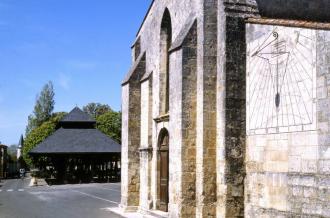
(282, 175)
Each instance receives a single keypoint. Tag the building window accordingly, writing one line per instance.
(165, 44)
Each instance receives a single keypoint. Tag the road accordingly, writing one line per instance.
(17, 200)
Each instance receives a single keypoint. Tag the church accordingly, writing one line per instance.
(226, 110)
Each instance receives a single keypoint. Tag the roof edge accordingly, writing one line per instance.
(146, 76)
(133, 68)
(178, 42)
(72, 116)
(145, 17)
(35, 150)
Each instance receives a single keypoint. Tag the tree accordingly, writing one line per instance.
(110, 124)
(43, 108)
(96, 109)
(38, 134)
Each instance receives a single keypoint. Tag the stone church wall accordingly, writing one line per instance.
(181, 12)
(145, 144)
(230, 106)
(287, 145)
(232, 153)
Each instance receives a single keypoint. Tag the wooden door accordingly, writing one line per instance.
(164, 173)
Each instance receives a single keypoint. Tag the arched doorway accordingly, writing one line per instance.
(163, 157)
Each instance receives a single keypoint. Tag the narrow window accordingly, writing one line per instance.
(165, 44)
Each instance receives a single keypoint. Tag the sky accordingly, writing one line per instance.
(82, 46)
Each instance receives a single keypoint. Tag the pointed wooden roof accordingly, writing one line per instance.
(77, 136)
(77, 115)
(21, 141)
(77, 141)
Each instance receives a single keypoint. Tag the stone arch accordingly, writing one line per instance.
(163, 170)
(165, 44)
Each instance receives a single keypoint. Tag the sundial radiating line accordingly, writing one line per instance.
(303, 45)
(303, 81)
(265, 100)
(260, 102)
(261, 76)
(257, 82)
(286, 107)
(295, 96)
(302, 99)
(270, 109)
(289, 94)
(260, 62)
(308, 61)
(256, 85)
(286, 66)
(263, 82)
(301, 65)
(306, 37)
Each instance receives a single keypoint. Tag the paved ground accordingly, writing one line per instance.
(17, 200)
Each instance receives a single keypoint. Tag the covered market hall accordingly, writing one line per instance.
(78, 153)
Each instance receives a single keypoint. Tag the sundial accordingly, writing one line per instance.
(280, 80)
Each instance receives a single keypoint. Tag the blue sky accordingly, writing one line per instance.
(83, 46)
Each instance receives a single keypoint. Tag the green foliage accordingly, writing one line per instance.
(96, 109)
(39, 134)
(107, 120)
(110, 124)
(43, 108)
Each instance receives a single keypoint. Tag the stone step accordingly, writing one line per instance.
(156, 214)
(140, 214)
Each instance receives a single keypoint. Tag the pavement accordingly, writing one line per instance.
(18, 200)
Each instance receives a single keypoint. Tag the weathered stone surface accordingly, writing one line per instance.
(293, 168)
(223, 161)
(130, 164)
(295, 9)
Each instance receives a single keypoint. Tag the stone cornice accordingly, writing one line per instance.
(162, 118)
(147, 149)
(289, 23)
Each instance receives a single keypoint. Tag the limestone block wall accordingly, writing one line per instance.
(287, 165)
(130, 159)
(181, 12)
(206, 113)
(145, 144)
(124, 145)
(176, 135)
(231, 152)
(231, 89)
(189, 115)
(281, 173)
(323, 118)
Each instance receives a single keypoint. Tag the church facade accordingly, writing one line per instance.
(225, 111)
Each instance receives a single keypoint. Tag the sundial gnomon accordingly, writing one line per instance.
(281, 67)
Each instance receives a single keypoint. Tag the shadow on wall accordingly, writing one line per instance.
(314, 10)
